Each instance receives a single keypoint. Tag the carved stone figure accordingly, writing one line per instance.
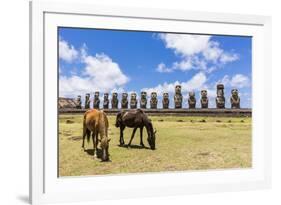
(96, 103)
(220, 99)
(143, 101)
(133, 101)
(235, 99)
(191, 100)
(165, 101)
(153, 100)
(114, 101)
(78, 102)
(105, 101)
(204, 99)
(124, 102)
(87, 101)
(178, 97)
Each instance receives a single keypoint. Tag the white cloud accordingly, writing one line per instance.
(197, 82)
(67, 52)
(100, 73)
(236, 81)
(196, 52)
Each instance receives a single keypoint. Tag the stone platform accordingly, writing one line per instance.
(245, 112)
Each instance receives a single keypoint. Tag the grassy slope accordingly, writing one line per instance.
(183, 143)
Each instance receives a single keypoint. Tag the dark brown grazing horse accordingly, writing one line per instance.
(135, 119)
(96, 121)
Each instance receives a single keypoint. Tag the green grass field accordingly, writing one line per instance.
(182, 143)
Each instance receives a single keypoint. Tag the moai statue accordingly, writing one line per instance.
(165, 101)
(153, 100)
(105, 101)
(191, 100)
(204, 99)
(178, 97)
(133, 101)
(96, 103)
(78, 102)
(87, 101)
(124, 102)
(235, 99)
(114, 101)
(143, 101)
(220, 99)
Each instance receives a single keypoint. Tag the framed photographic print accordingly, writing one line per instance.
(129, 102)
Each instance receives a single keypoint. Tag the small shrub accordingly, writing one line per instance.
(180, 121)
(203, 120)
(218, 120)
(69, 121)
(242, 121)
(229, 121)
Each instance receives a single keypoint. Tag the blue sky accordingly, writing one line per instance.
(128, 61)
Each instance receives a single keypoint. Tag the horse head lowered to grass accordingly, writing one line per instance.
(96, 122)
(136, 119)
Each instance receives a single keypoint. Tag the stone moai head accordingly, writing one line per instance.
(114, 101)
(220, 90)
(105, 96)
(87, 101)
(165, 100)
(143, 95)
(178, 89)
(191, 99)
(204, 99)
(114, 95)
(97, 94)
(124, 96)
(153, 100)
(204, 93)
(220, 100)
(153, 95)
(88, 96)
(133, 101)
(235, 99)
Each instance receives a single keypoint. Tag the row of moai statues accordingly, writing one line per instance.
(178, 99)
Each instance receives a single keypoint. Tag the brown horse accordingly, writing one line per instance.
(96, 122)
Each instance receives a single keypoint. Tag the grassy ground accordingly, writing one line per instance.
(182, 143)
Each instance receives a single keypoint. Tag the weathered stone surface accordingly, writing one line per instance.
(96, 103)
(105, 101)
(114, 101)
(204, 99)
(178, 97)
(220, 99)
(133, 101)
(143, 101)
(165, 101)
(191, 100)
(235, 99)
(78, 102)
(153, 100)
(87, 101)
(124, 101)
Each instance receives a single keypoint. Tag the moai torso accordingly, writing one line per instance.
(191, 100)
(178, 97)
(235, 99)
(153, 100)
(204, 99)
(78, 102)
(143, 101)
(220, 99)
(165, 101)
(105, 101)
(87, 101)
(96, 103)
(114, 101)
(133, 101)
(124, 102)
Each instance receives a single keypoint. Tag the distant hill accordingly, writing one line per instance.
(66, 103)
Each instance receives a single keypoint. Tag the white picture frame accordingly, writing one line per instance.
(46, 187)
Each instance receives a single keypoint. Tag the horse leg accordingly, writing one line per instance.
(141, 142)
(97, 142)
(121, 135)
(133, 134)
(94, 143)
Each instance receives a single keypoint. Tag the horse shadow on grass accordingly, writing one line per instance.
(133, 147)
